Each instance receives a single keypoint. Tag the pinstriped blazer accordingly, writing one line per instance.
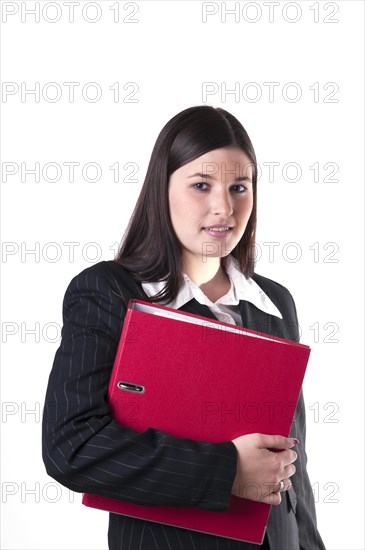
(84, 449)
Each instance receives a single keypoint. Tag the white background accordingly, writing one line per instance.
(169, 53)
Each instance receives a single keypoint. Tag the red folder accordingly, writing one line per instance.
(197, 378)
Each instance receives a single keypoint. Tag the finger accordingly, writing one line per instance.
(283, 485)
(274, 442)
(289, 471)
(293, 456)
(273, 498)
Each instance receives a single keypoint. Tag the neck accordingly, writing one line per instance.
(204, 272)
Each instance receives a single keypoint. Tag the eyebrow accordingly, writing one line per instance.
(240, 178)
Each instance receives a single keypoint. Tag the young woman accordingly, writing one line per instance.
(189, 245)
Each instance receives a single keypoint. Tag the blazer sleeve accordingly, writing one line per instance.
(301, 494)
(86, 450)
(309, 537)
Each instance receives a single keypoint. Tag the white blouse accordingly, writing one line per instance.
(226, 308)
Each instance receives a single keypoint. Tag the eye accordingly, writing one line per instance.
(199, 188)
(242, 190)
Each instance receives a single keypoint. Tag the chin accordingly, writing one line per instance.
(216, 250)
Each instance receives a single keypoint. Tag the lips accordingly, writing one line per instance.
(218, 226)
(218, 232)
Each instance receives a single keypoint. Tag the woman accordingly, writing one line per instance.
(189, 245)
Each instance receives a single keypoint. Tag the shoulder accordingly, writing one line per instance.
(269, 284)
(106, 269)
(95, 303)
(277, 292)
(105, 278)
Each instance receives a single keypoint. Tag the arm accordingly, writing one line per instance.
(309, 537)
(86, 450)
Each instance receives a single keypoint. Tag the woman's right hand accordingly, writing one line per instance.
(260, 470)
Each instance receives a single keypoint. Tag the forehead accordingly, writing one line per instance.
(218, 160)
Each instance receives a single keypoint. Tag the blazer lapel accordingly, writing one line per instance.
(193, 306)
(252, 317)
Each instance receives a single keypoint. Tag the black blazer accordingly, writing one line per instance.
(86, 450)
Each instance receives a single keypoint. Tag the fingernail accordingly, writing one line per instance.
(294, 440)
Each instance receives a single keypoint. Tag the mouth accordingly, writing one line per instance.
(218, 232)
(218, 228)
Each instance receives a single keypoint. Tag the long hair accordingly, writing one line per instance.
(150, 249)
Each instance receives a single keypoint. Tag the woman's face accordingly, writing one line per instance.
(221, 194)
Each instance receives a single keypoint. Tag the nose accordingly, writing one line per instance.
(222, 203)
